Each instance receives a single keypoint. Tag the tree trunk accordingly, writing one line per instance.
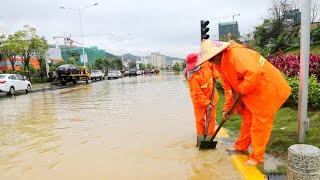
(12, 60)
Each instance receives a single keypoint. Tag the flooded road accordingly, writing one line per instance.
(131, 128)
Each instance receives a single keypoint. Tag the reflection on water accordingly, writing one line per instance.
(131, 128)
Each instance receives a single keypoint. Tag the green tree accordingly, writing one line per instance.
(106, 64)
(315, 34)
(13, 47)
(150, 66)
(40, 46)
(98, 64)
(274, 34)
(72, 60)
(2, 39)
(177, 67)
(33, 45)
(183, 65)
(116, 64)
(142, 66)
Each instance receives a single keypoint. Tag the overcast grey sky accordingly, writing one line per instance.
(171, 27)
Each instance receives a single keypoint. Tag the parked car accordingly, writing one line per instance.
(97, 74)
(113, 74)
(11, 83)
(119, 74)
(139, 72)
(146, 71)
(126, 73)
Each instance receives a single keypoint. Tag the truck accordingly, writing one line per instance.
(133, 71)
(72, 73)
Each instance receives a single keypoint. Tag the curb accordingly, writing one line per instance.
(247, 172)
(52, 88)
(238, 160)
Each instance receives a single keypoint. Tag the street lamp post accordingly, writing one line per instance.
(304, 68)
(81, 29)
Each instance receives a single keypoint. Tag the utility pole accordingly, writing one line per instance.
(84, 58)
(304, 68)
(81, 32)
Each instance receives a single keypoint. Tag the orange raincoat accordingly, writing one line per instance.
(201, 84)
(263, 90)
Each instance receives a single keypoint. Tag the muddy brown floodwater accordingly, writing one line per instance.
(130, 128)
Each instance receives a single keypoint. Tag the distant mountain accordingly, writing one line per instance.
(131, 57)
(109, 55)
(169, 58)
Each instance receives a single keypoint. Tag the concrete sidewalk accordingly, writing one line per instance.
(42, 87)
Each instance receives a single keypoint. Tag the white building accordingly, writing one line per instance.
(145, 60)
(158, 60)
(53, 55)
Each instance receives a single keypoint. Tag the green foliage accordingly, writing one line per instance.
(315, 34)
(150, 66)
(71, 60)
(116, 64)
(33, 45)
(99, 64)
(177, 67)
(102, 64)
(275, 33)
(142, 66)
(313, 92)
(108, 63)
(12, 47)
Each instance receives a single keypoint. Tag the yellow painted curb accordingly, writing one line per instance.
(247, 172)
(222, 133)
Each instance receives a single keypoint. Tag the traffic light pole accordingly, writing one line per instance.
(304, 68)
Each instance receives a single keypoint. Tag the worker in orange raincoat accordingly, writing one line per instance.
(261, 86)
(201, 80)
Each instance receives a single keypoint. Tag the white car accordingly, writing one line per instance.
(139, 72)
(113, 74)
(119, 74)
(97, 74)
(11, 83)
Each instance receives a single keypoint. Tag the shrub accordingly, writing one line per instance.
(313, 92)
(290, 64)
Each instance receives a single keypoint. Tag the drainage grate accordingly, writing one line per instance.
(276, 177)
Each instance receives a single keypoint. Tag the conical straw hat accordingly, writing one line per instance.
(209, 49)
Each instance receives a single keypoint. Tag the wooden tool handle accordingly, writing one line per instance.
(236, 101)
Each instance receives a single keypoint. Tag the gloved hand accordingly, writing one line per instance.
(226, 116)
(209, 107)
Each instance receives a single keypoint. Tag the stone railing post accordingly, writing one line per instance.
(303, 162)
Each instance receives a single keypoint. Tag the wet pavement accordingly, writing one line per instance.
(130, 128)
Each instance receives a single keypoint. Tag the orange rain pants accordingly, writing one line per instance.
(201, 86)
(263, 90)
